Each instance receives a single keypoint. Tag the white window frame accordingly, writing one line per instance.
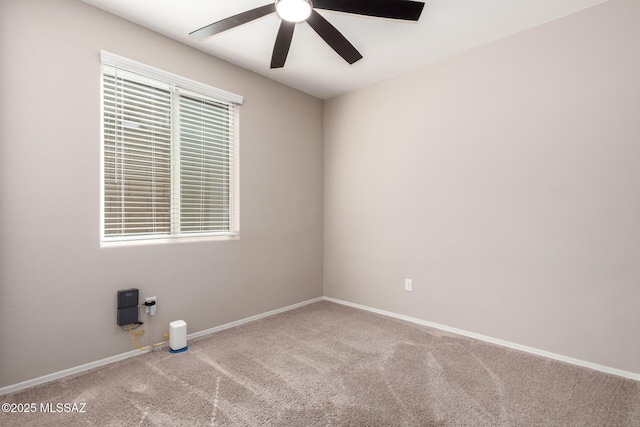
(186, 86)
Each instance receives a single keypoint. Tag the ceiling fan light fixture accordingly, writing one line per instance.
(294, 10)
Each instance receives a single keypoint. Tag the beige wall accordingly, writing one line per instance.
(505, 181)
(57, 287)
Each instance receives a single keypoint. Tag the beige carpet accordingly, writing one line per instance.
(325, 365)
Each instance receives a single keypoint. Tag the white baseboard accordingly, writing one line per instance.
(526, 349)
(67, 372)
(252, 318)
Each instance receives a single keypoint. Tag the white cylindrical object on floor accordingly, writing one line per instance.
(178, 335)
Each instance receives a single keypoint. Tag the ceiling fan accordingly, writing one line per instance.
(294, 11)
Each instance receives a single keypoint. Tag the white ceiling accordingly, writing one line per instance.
(389, 47)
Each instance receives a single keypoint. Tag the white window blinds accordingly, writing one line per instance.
(169, 155)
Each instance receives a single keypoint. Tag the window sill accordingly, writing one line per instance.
(167, 240)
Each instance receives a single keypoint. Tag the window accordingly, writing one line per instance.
(169, 151)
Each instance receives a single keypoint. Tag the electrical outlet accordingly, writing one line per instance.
(408, 284)
(150, 309)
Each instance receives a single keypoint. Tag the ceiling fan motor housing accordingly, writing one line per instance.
(294, 10)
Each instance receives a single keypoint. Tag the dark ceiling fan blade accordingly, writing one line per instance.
(233, 21)
(333, 37)
(394, 9)
(283, 42)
